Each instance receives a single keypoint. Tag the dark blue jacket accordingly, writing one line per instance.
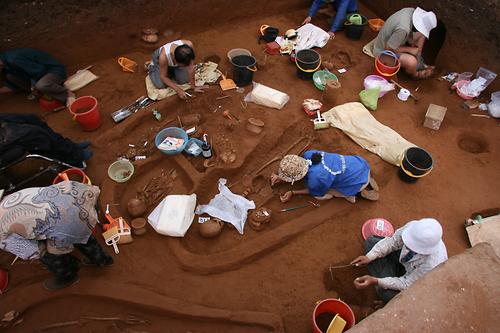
(30, 64)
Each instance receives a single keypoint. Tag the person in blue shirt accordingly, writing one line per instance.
(34, 71)
(342, 8)
(327, 175)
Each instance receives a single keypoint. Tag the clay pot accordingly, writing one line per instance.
(136, 207)
(259, 218)
(150, 35)
(255, 125)
(211, 228)
(138, 226)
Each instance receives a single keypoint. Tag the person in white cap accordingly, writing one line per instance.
(405, 33)
(396, 262)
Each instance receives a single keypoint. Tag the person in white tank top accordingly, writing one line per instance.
(173, 64)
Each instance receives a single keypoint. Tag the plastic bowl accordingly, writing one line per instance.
(376, 24)
(174, 132)
(459, 85)
(378, 227)
(121, 171)
(320, 78)
(237, 52)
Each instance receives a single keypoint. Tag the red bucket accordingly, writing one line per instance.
(333, 306)
(387, 71)
(4, 280)
(67, 175)
(49, 105)
(85, 111)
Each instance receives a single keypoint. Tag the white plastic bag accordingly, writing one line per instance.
(227, 206)
(309, 36)
(263, 95)
(174, 215)
(374, 81)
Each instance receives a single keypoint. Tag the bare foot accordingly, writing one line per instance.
(71, 98)
(351, 199)
(425, 73)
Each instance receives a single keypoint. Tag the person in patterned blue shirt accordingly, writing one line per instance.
(327, 175)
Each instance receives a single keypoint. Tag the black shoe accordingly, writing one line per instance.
(55, 284)
(84, 144)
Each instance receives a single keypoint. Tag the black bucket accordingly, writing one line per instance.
(416, 164)
(354, 31)
(243, 68)
(308, 62)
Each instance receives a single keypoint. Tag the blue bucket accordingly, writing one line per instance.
(173, 132)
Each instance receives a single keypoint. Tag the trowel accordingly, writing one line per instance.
(227, 84)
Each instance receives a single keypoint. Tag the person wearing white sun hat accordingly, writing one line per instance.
(405, 32)
(396, 262)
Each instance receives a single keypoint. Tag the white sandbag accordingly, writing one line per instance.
(174, 215)
(263, 95)
(80, 79)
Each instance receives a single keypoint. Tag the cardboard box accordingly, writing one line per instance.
(434, 116)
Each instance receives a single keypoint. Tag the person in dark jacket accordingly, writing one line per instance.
(27, 133)
(36, 72)
(342, 8)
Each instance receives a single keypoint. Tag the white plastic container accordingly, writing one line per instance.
(486, 74)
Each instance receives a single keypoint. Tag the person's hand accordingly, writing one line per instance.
(361, 261)
(307, 20)
(181, 93)
(364, 281)
(332, 34)
(274, 179)
(285, 197)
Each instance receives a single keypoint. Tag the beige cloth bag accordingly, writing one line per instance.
(359, 124)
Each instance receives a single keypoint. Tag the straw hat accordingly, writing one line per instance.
(424, 21)
(292, 168)
(423, 236)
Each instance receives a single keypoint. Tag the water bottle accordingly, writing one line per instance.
(206, 149)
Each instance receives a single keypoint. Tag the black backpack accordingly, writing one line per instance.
(268, 34)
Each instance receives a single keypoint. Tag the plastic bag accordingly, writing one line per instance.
(374, 81)
(266, 96)
(309, 36)
(227, 206)
(369, 98)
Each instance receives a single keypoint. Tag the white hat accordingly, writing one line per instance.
(424, 21)
(423, 236)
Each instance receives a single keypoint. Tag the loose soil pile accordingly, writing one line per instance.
(264, 280)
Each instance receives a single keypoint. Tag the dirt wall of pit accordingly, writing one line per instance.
(469, 24)
(468, 282)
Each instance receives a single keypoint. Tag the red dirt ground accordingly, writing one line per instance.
(261, 281)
